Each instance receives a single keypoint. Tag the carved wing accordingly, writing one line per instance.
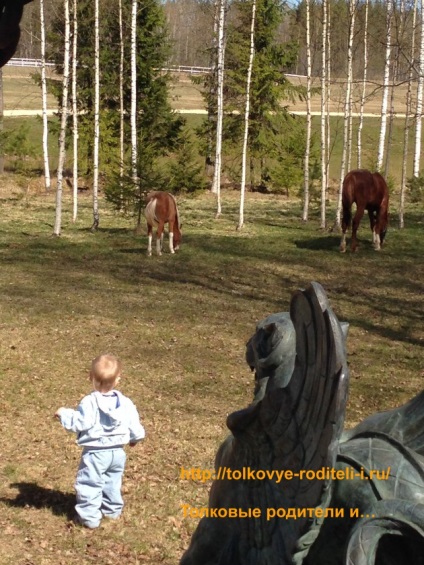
(394, 535)
(405, 424)
(292, 425)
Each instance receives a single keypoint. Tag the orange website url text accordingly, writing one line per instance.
(279, 475)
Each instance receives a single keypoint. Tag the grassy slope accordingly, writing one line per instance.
(180, 324)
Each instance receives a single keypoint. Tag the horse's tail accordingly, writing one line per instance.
(176, 210)
(347, 200)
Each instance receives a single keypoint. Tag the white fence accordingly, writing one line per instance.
(187, 69)
(15, 62)
(191, 70)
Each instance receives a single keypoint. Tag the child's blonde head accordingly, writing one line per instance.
(105, 372)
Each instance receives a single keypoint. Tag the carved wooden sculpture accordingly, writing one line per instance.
(295, 424)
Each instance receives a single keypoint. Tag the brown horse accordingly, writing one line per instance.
(161, 209)
(369, 192)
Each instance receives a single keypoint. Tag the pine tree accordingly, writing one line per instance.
(269, 121)
(158, 128)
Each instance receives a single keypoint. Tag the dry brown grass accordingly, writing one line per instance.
(180, 324)
(21, 93)
(186, 95)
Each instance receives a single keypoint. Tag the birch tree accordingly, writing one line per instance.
(396, 63)
(96, 218)
(134, 92)
(420, 88)
(64, 115)
(75, 111)
(408, 113)
(246, 116)
(210, 84)
(121, 93)
(324, 147)
(308, 113)
(364, 88)
(216, 182)
(327, 100)
(347, 108)
(47, 181)
(386, 86)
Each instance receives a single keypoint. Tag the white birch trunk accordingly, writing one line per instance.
(347, 110)
(121, 93)
(324, 148)
(216, 182)
(308, 114)
(395, 78)
(96, 118)
(209, 162)
(134, 93)
(419, 115)
(364, 88)
(246, 116)
(328, 96)
(47, 180)
(386, 80)
(75, 112)
(62, 135)
(407, 127)
(349, 130)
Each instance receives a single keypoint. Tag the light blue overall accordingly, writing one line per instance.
(104, 423)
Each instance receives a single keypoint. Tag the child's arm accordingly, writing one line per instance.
(79, 420)
(137, 431)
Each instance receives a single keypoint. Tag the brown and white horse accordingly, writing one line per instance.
(161, 209)
(369, 192)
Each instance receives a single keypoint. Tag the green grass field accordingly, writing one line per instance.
(21, 92)
(180, 324)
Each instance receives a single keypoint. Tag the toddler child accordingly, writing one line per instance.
(104, 422)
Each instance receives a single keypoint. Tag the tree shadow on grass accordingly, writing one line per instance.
(331, 242)
(110, 231)
(34, 496)
(319, 243)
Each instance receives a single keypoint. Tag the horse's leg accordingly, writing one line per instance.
(373, 227)
(345, 226)
(171, 236)
(171, 242)
(343, 240)
(149, 239)
(355, 225)
(376, 232)
(159, 237)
